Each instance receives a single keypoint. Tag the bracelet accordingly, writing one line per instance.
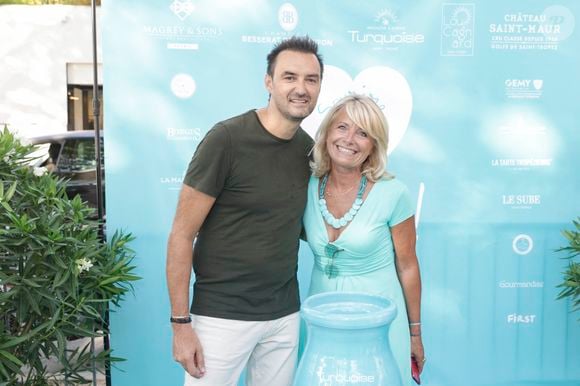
(415, 334)
(415, 324)
(180, 319)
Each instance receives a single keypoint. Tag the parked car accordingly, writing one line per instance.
(72, 155)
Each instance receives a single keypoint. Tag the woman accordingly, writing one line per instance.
(359, 221)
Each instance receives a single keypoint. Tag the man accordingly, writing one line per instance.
(243, 197)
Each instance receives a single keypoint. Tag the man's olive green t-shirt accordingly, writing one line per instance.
(246, 253)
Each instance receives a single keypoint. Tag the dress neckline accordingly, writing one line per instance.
(323, 223)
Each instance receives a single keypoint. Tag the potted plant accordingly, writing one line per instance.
(571, 284)
(57, 277)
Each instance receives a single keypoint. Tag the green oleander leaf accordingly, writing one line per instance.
(58, 277)
(570, 287)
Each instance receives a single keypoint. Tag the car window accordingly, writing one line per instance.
(77, 155)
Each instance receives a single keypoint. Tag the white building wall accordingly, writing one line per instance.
(36, 44)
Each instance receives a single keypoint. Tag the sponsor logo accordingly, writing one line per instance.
(182, 36)
(532, 31)
(523, 139)
(275, 39)
(178, 32)
(181, 134)
(521, 284)
(288, 17)
(386, 33)
(182, 9)
(262, 39)
(183, 46)
(521, 163)
(339, 379)
(524, 88)
(183, 86)
(521, 319)
(522, 244)
(172, 182)
(521, 201)
(457, 29)
(386, 18)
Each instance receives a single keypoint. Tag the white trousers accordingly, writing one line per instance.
(269, 349)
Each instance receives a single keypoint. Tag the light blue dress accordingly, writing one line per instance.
(366, 262)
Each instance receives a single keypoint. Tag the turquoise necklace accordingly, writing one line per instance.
(334, 222)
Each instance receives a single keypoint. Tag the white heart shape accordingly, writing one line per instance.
(388, 87)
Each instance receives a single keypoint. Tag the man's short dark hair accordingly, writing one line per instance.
(296, 43)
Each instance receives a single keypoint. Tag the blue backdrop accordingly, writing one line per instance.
(480, 97)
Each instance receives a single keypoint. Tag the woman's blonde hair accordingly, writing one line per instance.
(365, 113)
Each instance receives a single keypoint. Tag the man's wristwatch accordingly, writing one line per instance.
(180, 319)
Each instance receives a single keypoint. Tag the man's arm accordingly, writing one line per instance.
(192, 209)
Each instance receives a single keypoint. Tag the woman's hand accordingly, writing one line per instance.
(417, 351)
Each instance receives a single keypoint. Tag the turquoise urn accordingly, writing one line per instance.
(347, 341)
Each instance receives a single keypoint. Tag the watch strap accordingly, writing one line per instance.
(180, 319)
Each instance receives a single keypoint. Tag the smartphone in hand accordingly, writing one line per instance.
(415, 371)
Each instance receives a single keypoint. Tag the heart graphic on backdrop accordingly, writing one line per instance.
(386, 86)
